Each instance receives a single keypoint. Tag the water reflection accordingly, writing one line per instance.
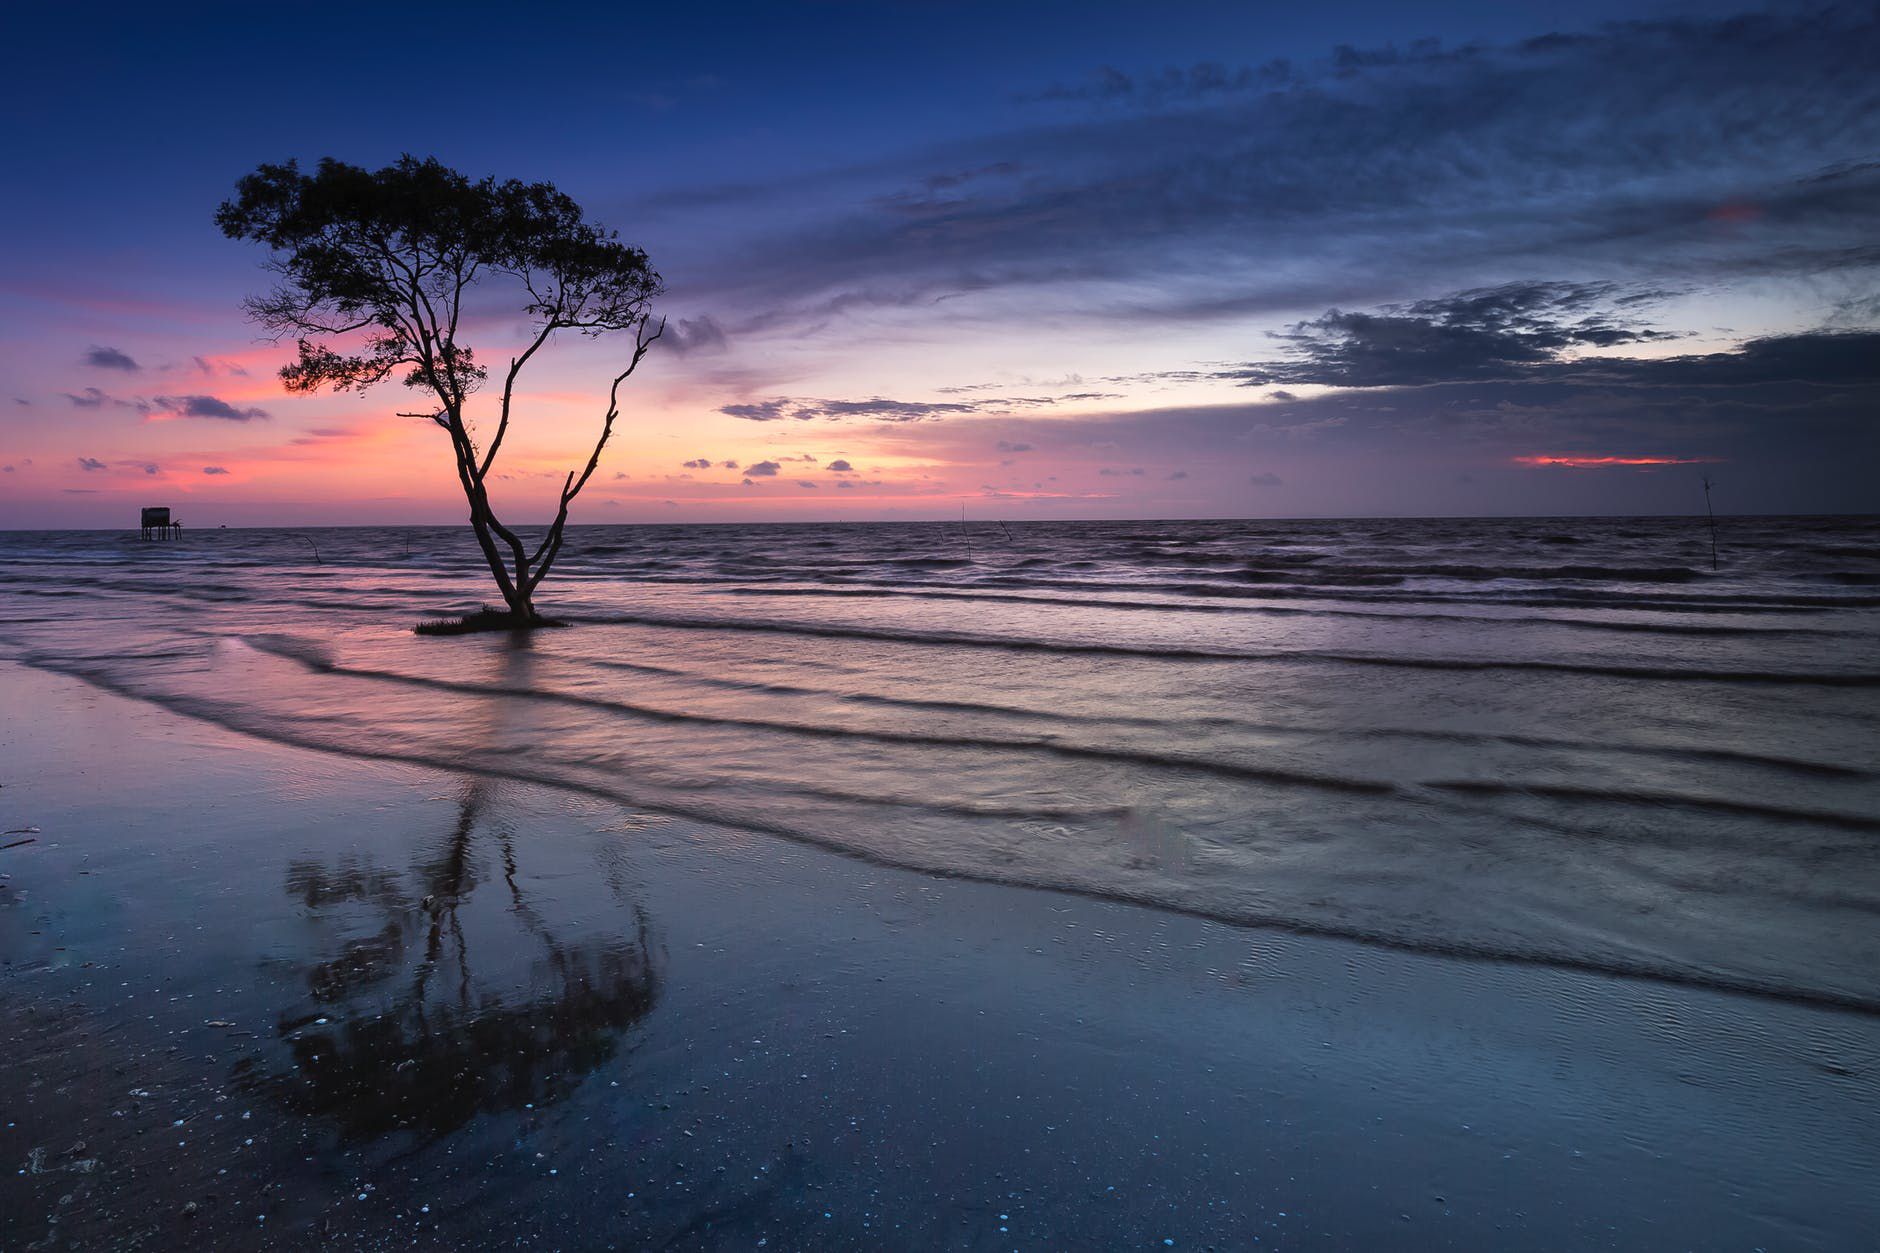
(433, 1005)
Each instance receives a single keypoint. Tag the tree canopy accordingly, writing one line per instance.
(375, 266)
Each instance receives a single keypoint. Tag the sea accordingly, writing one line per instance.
(1598, 744)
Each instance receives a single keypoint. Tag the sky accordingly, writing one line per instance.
(1082, 260)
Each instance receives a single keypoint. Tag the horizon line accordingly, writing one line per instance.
(985, 521)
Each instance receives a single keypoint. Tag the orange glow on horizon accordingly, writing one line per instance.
(1592, 463)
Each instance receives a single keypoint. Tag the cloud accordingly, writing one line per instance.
(806, 483)
(763, 470)
(940, 192)
(328, 434)
(1178, 474)
(1006, 445)
(756, 411)
(883, 409)
(1480, 334)
(104, 358)
(1792, 415)
(729, 465)
(886, 410)
(206, 407)
(89, 464)
(840, 466)
(214, 470)
(1623, 145)
(1170, 85)
(93, 398)
(1816, 358)
(694, 335)
(782, 407)
(1537, 332)
(697, 463)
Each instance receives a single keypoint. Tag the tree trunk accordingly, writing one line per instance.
(522, 605)
(517, 591)
(517, 588)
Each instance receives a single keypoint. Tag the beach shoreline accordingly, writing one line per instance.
(604, 1027)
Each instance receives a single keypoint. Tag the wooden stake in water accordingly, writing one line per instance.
(964, 533)
(1711, 514)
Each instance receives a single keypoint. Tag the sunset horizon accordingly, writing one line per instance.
(937, 624)
(1153, 284)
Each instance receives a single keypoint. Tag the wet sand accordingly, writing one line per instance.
(256, 996)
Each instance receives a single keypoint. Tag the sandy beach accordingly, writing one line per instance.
(256, 996)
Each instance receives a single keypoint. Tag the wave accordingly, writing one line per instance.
(1663, 971)
(990, 582)
(1553, 598)
(950, 639)
(1373, 615)
(1542, 574)
(1686, 752)
(316, 660)
(1744, 809)
(1171, 761)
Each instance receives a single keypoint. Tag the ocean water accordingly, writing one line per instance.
(1567, 742)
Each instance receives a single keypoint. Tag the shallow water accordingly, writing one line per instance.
(1560, 741)
(253, 996)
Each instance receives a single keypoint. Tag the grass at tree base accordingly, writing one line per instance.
(485, 619)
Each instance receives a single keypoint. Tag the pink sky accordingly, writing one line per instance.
(203, 425)
(1057, 277)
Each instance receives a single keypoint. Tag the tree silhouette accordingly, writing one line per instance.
(375, 270)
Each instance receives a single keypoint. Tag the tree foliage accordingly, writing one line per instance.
(375, 267)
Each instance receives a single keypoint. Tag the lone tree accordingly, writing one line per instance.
(375, 268)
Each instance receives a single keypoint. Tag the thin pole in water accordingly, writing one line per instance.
(1711, 514)
(964, 533)
(309, 543)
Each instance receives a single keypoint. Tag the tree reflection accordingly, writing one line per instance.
(402, 1035)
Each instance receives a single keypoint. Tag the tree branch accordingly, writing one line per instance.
(509, 387)
(551, 543)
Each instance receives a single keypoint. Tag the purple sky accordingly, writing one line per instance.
(1090, 260)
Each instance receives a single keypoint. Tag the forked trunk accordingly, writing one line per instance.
(521, 572)
(518, 590)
